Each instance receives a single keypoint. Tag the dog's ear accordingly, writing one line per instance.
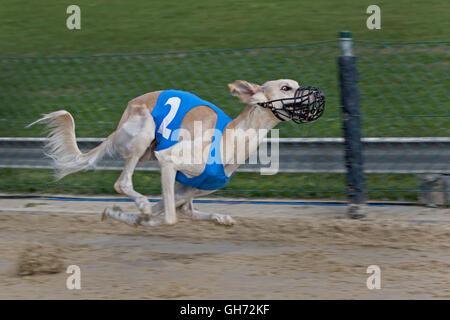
(244, 90)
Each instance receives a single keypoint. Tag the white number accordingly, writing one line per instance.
(174, 103)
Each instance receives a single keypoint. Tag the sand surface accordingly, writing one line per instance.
(273, 252)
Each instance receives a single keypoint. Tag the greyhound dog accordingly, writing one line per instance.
(150, 130)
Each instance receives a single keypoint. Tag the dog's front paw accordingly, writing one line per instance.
(224, 220)
(144, 206)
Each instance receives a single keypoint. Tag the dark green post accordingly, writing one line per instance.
(348, 82)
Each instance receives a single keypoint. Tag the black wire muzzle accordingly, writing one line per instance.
(307, 105)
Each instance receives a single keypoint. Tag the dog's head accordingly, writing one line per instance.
(285, 98)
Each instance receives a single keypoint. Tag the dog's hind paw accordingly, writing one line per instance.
(104, 215)
(111, 213)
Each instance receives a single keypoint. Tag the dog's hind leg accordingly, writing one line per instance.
(131, 219)
(124, 185)
(132, 140)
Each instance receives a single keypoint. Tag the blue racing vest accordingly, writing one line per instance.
(171, 107)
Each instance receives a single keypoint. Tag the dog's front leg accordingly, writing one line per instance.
(183, 194)
(187, 209)
(168, 173)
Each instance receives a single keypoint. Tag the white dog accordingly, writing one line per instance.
(150, 129)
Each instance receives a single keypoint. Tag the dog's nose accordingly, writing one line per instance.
(320, 95)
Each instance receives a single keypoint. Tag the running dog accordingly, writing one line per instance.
(151, 129)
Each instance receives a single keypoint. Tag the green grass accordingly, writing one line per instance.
(113, 26)
(395, 84)
(394, 80)
(403, 87)
(300, 186)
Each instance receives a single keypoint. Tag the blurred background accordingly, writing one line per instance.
(125, 49)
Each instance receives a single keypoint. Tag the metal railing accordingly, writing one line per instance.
(296, 155)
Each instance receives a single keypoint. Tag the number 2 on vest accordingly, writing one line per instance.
(174, 103)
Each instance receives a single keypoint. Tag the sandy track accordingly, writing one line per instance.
(273, 252)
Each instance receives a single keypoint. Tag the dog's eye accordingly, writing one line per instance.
(286, 88)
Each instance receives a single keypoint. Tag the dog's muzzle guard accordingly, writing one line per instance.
(307, 105)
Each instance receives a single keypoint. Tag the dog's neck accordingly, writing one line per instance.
(254, 122)
(254, 117)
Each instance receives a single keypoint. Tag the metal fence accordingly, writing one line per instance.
(403, 89)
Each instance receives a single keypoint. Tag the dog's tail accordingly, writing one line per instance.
(62, 146)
